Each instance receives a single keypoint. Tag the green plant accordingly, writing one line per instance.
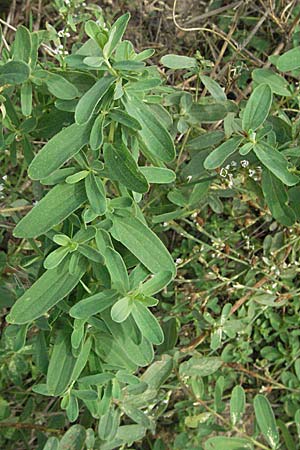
(83, 332)
(89, 225)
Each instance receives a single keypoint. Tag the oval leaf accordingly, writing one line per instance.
(257, 108)
(94, 304)
(123, 168)
(47, 291)
(237, 404)
(178, 62)
(153, 134)
(266, 420)
(217, 157)
(275, 162)
(58, 150)
(14, 72)
(147, 323)
(143, 243)
(53, 209)
(290, 60)
(61, 365)
(88, 102)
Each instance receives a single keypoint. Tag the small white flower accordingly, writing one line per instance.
(67, 34)
(244, 163)
(251, 172)
(4, 177)
(1, 187)
(178, 261)
(165, 224)
(60, 47)
(223, 172)
(227, 167)
(61, 33)
(233, 163)
(189, 178)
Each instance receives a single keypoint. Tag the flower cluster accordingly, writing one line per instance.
(227, 172)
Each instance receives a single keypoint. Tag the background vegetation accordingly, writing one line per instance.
(228, 372)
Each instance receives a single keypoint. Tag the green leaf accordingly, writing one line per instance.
(95, 193)
(108, 424)
(178, 62)
(22, 45)
(125, 119)
(121, 309)
(275, 162)
(47, 291)
(158, 372)
(278, 84)
(257, 108)
(123, 168)
(72, 409)
(94, 304)
(158, 175)
(143, 85)
(218, 156)
(130, 433)
(136, 415)
(277, 199)
(56, 257)
(201, 366)
(61, 365)
(156, 283)
(97, 380)
(76, 177)
(128, 66)
(85, 394)
(143, 243)
(51, 444)
(90, 253)
(213, 88)
(58, 176)
(290, 60)
(14, 72)
(53, 209)
(147, 323)
(94, 31)
(96, 136)
(61, 239)
(206, 113)
(266, 420)
(115, 35)
(59, 86)
(287, 437)
(82, 359)
(73, 439)
(117, 270)
(89, 101)
(205, 140)
(237, 404)
(228, 443)
(55, 153)
(170, 330)
(153, 134)
(26, 98)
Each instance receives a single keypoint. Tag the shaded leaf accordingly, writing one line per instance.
(53, 209)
